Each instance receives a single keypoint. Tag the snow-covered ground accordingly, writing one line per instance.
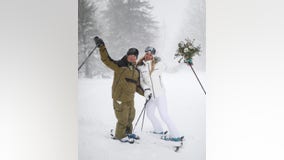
(186, 105)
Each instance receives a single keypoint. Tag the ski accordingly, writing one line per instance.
(177, 143)
(127, 139)
(159, 133)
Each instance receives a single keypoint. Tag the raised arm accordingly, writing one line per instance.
(106, 59)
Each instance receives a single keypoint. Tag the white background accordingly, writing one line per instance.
(38, 85)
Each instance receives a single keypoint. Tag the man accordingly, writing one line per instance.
(125, 84)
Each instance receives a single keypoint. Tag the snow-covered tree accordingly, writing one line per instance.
(129, 23)
(194, 28)
(87, 28)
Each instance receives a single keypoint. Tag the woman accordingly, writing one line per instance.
(151, 69)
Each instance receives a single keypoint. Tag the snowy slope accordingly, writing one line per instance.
(186, 102)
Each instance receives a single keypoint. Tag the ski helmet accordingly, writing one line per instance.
(133, 51)
(151, 49)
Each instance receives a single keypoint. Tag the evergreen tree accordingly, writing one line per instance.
(194, 28)
(87, 28)
(129, 24)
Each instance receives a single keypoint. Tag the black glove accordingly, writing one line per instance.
(99, 42)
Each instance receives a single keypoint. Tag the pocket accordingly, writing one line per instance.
(117, 106)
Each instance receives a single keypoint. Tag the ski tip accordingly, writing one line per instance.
(131, 141)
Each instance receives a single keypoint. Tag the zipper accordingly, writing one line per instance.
(151, 79)
(160, 81)
(133, 72)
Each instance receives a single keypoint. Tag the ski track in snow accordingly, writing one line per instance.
(186, 105)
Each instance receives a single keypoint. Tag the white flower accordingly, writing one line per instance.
(190, 47)
(188, 43)
(181, 44)
(185, 50)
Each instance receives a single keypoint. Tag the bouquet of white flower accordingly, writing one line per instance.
(186, 50)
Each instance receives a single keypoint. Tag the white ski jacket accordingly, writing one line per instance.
(152, 81)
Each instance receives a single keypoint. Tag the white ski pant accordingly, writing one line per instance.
(160, 103)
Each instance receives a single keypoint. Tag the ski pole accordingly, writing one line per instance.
(139, 117)
(87, 58)
(197, 78)
(143, 110)
(143, 119)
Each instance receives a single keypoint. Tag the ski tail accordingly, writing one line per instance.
(126, 139)
(111, 134)
(176, 148)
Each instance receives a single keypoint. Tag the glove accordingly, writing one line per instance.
(99, 42)
(147, 94)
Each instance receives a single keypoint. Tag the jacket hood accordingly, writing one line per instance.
(123, 62)
(141, 61)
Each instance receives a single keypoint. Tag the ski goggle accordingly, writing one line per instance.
(151, 49)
